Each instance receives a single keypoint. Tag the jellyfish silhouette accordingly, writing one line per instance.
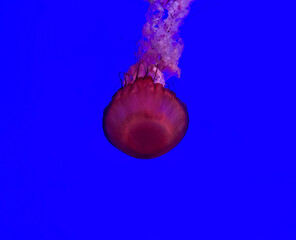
(144, 119)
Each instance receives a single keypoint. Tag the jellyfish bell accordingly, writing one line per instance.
(144, 119)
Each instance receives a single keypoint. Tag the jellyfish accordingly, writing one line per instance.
(144, 118)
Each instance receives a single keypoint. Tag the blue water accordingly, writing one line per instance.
(231, 177)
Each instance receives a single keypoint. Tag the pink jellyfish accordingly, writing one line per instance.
(144, 119)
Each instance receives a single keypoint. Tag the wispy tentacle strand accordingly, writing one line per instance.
(161, 47)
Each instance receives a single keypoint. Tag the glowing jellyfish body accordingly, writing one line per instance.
(144, 119)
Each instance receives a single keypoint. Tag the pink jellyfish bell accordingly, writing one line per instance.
(145, 120)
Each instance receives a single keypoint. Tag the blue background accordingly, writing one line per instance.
(231, 177)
